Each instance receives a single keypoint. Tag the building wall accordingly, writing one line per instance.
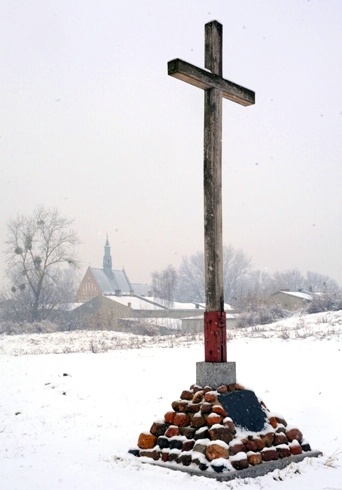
(288, 302)
(100, 313)
(88, 288)
(165, 313)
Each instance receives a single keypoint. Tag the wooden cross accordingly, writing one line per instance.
(215, 87)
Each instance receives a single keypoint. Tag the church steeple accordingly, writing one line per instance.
(107, 259)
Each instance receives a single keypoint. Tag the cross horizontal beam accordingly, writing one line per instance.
(205, 80)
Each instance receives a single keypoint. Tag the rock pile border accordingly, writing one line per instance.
(198, 436)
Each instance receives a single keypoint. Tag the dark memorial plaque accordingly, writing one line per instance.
(244, 409)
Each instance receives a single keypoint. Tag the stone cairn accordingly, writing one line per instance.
(198, 432)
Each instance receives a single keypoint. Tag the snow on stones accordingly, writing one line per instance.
(199, 432)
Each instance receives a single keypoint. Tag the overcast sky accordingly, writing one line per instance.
(90, 123)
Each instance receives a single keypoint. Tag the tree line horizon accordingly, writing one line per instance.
(42, 260)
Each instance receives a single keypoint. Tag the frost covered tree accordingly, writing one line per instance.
(319, 283)
(291, 279)
(164, 284)
(191, 279)
(40, 251)
(313, 282)
(236, 267)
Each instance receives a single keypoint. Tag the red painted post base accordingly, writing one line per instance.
(215, 338)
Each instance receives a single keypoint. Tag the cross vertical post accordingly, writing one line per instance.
(215, 341)
(215, 87)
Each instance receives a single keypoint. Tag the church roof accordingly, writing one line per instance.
(109, 285)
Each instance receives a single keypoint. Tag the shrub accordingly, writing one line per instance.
(325, 302)
(261, 315)
(11, 328)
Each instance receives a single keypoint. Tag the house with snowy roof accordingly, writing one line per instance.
(291, 300)
(133, 313)
(107, 281)
(108, 300)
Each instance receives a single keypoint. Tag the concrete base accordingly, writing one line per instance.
(215, 374)
(250, 472)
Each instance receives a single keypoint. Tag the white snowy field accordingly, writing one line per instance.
(67, 420)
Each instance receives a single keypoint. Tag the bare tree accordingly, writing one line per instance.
(294, 280)
(40, 248)
(236, 267)
(164, 284)
(318, 283)
(255, 288)
(291, 279)
(191, 279)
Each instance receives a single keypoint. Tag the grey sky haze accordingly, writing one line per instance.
(91, 123)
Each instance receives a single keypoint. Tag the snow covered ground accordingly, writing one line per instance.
(67, 419)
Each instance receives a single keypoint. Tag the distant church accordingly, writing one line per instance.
(108, 282)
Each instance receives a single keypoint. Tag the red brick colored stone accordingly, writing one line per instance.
(294, 434)
(220, 433)
(268, 439)
(273, 422)
(269, 454)
(165, 456)
(215, 451)
(181, 420)
(188, 445)
(260, 443)
(210, 397)
(198, 397)
(227, 422)
(206, 407)
(219, 410)
(296, 449)
(198, 421)
(158, 429)
(169, 417)
(222, 389)
(214, 418)
(186, 395)
(279, 438)
(254, 458)
(172, 431)
(237, 448)
(147, 440)
(193, 407)
(179, 405)
(251, 445)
